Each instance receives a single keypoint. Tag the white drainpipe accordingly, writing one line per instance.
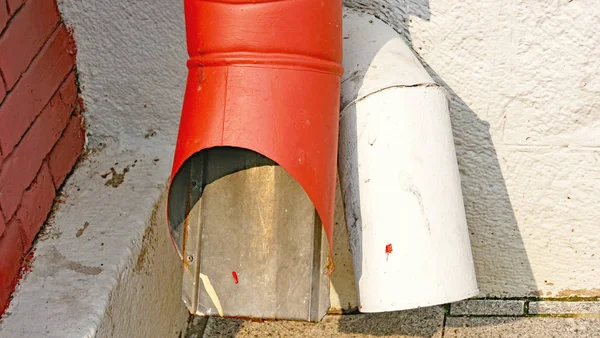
(399, 173)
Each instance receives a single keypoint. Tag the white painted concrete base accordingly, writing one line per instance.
(105, 266)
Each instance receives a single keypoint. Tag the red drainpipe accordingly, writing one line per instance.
(265, 75)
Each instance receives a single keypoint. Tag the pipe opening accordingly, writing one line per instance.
(251, 242)
(197, 172)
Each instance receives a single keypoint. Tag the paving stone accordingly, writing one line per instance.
(425, 322)
(488, 307)
(196, 327)
(521, 327)
(553, 307)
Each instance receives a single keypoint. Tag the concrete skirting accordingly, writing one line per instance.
(104, 265)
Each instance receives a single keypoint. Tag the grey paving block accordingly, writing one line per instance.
(522, 327)
(557, 307)
(196, 327)
(488, 307)
(426, 322)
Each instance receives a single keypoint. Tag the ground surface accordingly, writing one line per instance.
(496, 318)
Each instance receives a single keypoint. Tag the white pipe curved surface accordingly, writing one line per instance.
(399, 173)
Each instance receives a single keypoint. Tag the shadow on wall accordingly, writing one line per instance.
(502, 266)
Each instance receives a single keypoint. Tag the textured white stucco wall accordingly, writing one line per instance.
(524, 79)
(131, 63)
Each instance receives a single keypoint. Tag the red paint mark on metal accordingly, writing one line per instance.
(388, 251)
(235, 277)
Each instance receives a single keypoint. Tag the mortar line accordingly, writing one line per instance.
(444, 325)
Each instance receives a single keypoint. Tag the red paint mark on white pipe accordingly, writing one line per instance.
(388, 250)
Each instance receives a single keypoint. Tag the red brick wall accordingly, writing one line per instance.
(41, 133)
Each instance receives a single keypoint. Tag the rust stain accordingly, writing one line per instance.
(186, 226)
(116, 179)
(82, 229)
(146, 247)
(330, 267)
(579, 293)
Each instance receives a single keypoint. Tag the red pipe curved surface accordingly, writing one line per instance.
(265, 75)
